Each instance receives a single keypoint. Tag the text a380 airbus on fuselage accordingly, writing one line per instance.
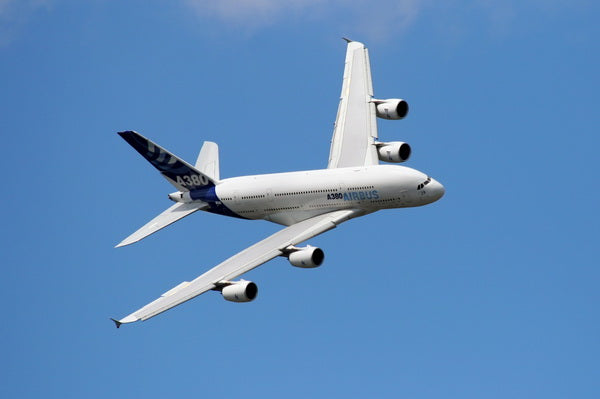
(307, 203)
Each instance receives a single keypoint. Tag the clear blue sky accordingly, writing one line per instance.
(490, 293)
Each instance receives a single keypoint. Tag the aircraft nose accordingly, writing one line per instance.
(436, 189)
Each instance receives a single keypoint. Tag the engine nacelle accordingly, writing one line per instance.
(393, 108)
(307, 257)
(240, 291)
(395, 151)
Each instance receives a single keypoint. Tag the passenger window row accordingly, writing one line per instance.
(306, 192)
(282, 209)
(359, 188)
(384, 200)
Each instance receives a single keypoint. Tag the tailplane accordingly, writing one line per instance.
(169, 216)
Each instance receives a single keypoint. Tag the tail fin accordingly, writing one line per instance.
(208, 160)
(179, 173)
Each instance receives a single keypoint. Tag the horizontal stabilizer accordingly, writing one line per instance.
(171, 215)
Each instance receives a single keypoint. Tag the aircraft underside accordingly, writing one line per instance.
(308, 203)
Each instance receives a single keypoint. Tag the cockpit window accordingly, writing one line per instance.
(426, 182)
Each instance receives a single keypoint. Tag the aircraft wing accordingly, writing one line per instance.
(355, 128)
(242, 262)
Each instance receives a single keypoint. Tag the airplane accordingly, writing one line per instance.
(307, 203)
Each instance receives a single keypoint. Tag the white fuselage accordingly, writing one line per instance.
(288, 198)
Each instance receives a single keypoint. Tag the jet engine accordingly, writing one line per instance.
(394, 151)
(240, 291)
(307, 257)
(393, 108)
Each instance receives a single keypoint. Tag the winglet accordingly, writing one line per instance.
(117, 322)
(347, 40)
(129, 319)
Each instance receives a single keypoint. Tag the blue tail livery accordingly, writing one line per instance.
(179, 173)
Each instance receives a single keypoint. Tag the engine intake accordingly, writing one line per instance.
(307, 257)
(395, 151)
(240, 291)
(393, 108)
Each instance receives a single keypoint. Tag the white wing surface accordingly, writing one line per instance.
(169, 216)
(242, 262)
(355, 127)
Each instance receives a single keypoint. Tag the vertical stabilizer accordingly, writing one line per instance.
(208, 160)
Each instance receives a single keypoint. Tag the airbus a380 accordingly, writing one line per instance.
(307, 203)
